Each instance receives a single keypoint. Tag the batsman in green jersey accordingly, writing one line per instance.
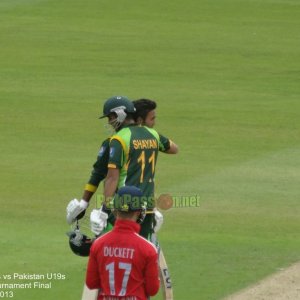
(145, 113)
(132, 159)
(100, 169)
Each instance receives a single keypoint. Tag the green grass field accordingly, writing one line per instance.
(225, 75)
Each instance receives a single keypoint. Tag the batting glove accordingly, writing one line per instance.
(98, 219)
(159, 219)
(75, 208)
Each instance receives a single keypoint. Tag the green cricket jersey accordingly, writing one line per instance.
(136, 167)
(99, 171)
(134, 151)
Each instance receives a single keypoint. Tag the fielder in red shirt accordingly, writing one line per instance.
(122, 264)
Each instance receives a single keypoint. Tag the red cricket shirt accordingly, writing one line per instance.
(123, 265)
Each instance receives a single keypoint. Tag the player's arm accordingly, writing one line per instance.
(76, 209)
(111, 184)
(99, 171)
(167, 146)
(173, 148)
(98, 217)
(115, 163)
(152, 281)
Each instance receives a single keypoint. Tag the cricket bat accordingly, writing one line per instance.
(165, 277)
(88, 294)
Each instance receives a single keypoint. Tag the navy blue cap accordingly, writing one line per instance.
(129, 198)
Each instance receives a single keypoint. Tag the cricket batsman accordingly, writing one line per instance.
(120, 107)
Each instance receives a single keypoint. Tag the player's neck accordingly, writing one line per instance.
(129, 217)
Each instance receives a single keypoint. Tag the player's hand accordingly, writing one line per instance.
(159, 219)
(98, 219)
(75, 209)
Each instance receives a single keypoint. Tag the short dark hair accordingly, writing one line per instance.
(143, 107)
